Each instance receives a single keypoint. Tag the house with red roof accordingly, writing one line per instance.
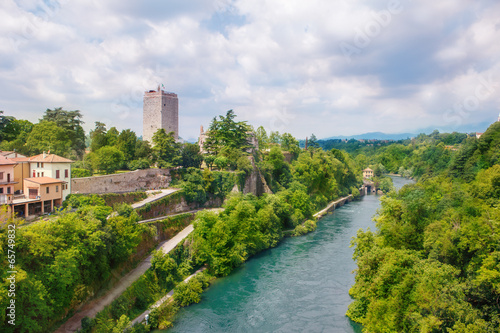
(53, 166)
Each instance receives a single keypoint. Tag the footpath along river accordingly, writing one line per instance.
(301, 285)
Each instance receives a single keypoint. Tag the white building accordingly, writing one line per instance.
(53, 166)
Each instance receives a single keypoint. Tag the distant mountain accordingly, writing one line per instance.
(374, 136)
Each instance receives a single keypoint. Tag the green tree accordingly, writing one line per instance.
(98, 137)
(127, 143)
(226, 133)
(108, 159)
(290, 144)
(71, 122)
(4, 123)
(262, 138)
(275, 137)
(191, 156)
(313, 142)
(112, 136)
(166, 150)
(48, 136)
(142, 149)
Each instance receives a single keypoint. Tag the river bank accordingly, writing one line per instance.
(300, 285)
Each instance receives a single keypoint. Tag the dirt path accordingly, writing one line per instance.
(91, 309)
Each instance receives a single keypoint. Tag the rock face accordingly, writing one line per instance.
(255, 182)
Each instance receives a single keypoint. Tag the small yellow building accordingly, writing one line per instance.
(367, 173)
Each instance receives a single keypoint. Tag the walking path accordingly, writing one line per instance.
(216, 210)
(91, 309)
(331, 206)
(142, 317)
(155, 197)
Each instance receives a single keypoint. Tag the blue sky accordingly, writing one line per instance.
(323, 67)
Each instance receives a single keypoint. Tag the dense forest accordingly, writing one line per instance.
(433, 265)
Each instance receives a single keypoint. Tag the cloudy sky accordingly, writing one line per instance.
(324, 67)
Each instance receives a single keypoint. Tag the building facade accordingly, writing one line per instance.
(41, 196)
(160, 110)
(53, 166)
(367, 173)
(6, 180)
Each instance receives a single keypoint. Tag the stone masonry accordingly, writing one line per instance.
(123, 182)
(160, 110)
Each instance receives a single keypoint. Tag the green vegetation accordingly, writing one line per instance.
(433, 264)
(61, 262)
(64, 261)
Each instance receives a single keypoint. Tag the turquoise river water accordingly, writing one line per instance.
(301, 285)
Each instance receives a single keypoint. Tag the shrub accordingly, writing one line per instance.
(79, 173)
(142, 163)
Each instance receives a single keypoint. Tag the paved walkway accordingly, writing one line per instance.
(155, 197)
(142, 317)
(216, 210)
(331, 206)
(91, 309)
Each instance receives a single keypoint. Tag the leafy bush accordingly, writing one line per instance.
(79, 173)
(142, 163)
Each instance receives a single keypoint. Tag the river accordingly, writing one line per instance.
(301, 285)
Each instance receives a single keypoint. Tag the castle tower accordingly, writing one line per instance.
(160, 110)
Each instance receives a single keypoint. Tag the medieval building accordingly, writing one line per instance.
(160, 110)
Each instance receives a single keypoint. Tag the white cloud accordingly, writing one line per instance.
(277, 63)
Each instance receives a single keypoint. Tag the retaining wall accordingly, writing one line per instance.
(122, 182)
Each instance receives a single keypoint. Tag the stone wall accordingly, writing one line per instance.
(123, 182)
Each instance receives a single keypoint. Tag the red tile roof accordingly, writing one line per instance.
(44, 180)
(20, 159)
(50, 158)
(6, 161)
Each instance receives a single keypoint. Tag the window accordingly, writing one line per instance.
(1, 189)
(57, 188)
(66, 173)
(8, 190)
(38, 174)
(37, 164)
(42, 174)
(47, 189)
(57, 174)
(41, 164)
(33, 173)
(1, 175)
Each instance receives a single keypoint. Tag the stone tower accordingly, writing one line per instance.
(160, 110)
